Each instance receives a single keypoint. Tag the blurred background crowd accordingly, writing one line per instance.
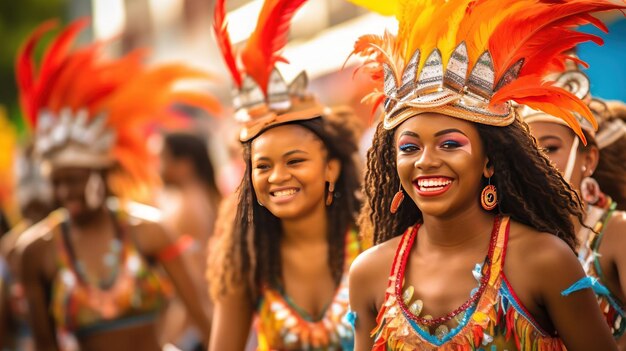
(200, 162)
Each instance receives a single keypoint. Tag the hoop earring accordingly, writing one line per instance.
(95, 191)
(397, 200)
(489, 197)
(330, 195)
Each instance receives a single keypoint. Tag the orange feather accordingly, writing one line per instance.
(516, 36)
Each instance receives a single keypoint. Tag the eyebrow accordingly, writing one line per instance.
(409, 133)
(548, 137)
(448, 131)
(286, 154)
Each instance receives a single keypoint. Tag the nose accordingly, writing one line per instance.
(427, 159)
(279, 175)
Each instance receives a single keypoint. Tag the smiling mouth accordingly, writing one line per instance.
(434, 185)
(283, 193)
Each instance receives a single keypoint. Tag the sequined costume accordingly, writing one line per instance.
(281, 325)
(497, 320)
(133, 295)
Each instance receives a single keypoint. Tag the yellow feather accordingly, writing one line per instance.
(385, 8)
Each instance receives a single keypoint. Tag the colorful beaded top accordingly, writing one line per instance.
(132, 295)
(281, 325)
(611, 307)
(492, 319)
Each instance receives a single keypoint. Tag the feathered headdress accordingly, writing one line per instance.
(470, 58)
(90, 111)
(261, 96)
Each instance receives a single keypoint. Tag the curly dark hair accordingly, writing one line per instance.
(250, 255)
(523, 176)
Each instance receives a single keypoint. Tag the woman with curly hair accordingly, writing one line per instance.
(480, 255)
(284, 262)
(597, 172)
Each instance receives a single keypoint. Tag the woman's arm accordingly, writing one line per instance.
(154, 240)
(35, 286)
(232, 318)
(361, 304)
(576, 317)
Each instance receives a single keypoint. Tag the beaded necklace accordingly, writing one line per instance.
(428, 321)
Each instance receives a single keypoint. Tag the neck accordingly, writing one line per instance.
(310, 229)
(458, 230)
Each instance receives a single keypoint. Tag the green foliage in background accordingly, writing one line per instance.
(17, 20)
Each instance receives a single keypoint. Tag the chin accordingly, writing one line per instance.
(436, 208)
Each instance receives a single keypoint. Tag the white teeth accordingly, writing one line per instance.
(285, 192)
(434, 184)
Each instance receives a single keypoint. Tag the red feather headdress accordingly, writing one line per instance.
(94, 112)
(262, 98)
(485, 54)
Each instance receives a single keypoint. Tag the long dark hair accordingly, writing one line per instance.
(530, 189)
(250, 255)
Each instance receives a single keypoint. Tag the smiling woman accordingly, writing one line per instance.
(285, 261)
(474, 258)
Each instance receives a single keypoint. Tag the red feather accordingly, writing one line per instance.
(220, 28)
(270, 36)
(544, 52)
(25, 72)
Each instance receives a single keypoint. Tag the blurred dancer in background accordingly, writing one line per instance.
(190, 203)
(284, 263)
(597, 171)
(91, 269)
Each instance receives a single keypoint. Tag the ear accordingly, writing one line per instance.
(333, 169)
(488, 169)
(590, 160)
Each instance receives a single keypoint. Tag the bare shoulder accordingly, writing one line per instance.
(539, 249)
(36, 250)
(614, 236)
(535, 259)
(150, 236)
(369, 273)
(616, 227)
(376, 258)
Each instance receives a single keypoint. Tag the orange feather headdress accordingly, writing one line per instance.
(261, 96)
(470, 58)
(90, 111)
